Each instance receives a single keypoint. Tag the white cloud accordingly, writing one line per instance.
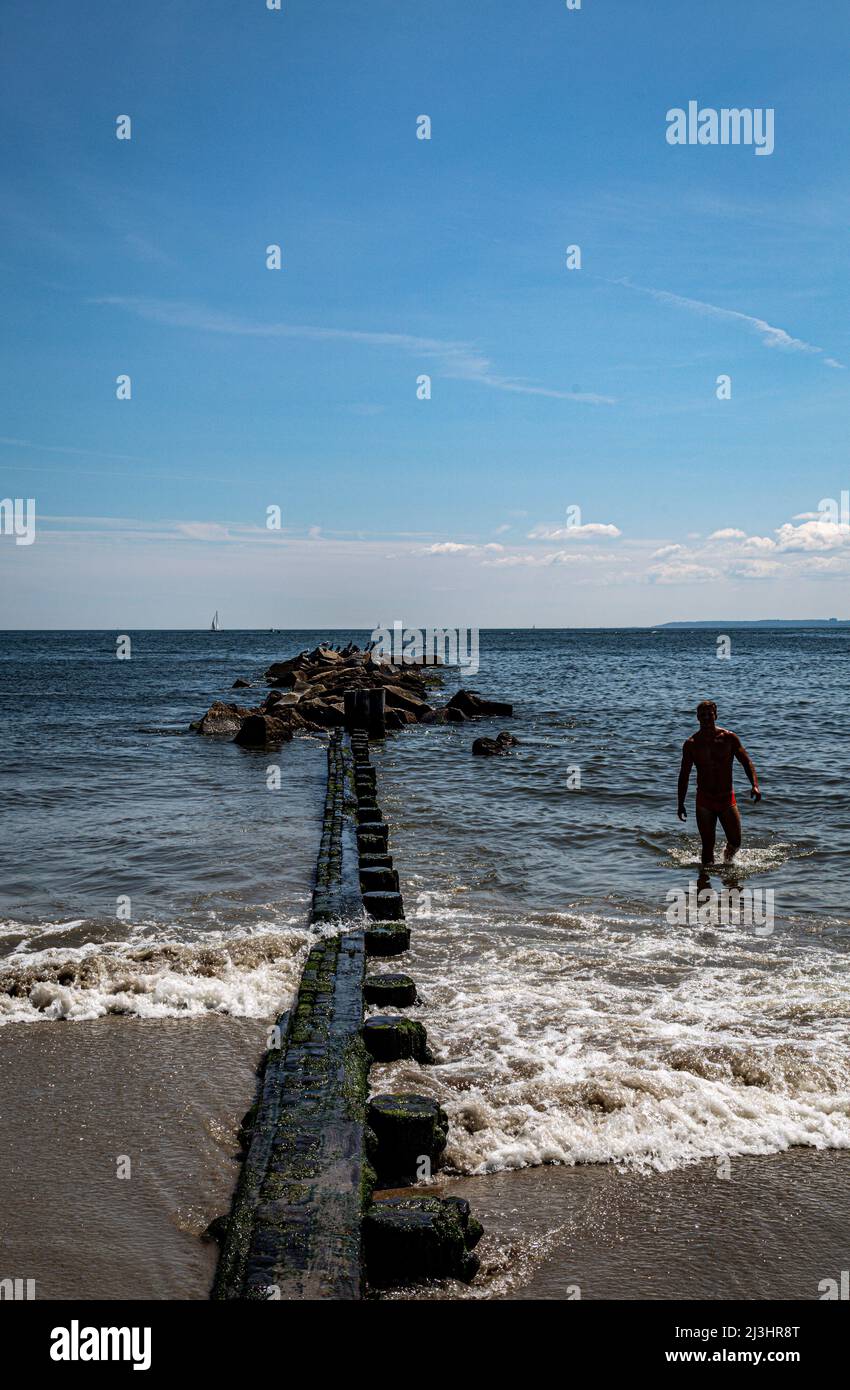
(666, 551)
(729, 533)
(824, 567)
(569, 533)
(446, 548)
(812, 535)
(681, 574)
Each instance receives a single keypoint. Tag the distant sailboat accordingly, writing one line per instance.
(215, 625)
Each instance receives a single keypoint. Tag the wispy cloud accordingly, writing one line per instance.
(755, 569)
(63, 449)
(552, 557)
(456, 360)
(771, 337)
(203, 531)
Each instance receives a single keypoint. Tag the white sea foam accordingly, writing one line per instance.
(755, 859)
(586, 1040)
(244, 973)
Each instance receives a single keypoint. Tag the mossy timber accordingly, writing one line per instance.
(295, 1226)
(302, 1211)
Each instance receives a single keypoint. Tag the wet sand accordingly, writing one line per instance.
(773, 1229)
(169, 1094)
(74, 1097)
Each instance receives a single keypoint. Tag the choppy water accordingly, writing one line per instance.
(572, 1022)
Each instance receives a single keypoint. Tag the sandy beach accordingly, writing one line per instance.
(773, 1230)
(169, 1096)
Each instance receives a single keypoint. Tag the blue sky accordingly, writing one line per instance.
(297, 387)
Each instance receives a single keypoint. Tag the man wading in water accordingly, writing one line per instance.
(712, 751)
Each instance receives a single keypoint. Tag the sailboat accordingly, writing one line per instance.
(215, 625)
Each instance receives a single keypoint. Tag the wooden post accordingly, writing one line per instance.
(356, 710)
(376, 720)
(366, 709)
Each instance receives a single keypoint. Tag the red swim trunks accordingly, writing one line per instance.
(715, 803)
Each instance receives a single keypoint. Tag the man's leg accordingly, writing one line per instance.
(707, 825)
(730, 819)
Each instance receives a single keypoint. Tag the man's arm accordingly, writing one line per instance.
(684, 778)
(748, 765)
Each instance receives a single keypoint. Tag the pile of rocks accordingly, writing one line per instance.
(308, 694)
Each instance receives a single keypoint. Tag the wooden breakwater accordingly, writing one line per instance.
(303, 1224)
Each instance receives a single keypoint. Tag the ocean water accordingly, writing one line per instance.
(572, 1021)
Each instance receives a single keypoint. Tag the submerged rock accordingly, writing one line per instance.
(260, 730)
(403, 699)
(322, 712)
(473, 706)
(222, 719)
(435, 716)
(494, 747)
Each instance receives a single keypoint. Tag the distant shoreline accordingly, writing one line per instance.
(722, 624)
(681, 624)
(762, 622)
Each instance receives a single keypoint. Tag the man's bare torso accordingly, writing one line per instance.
(712, 755)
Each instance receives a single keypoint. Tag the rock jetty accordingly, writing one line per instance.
(309, 692)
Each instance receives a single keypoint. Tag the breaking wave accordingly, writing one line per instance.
(241, 973)
(606, 1041)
